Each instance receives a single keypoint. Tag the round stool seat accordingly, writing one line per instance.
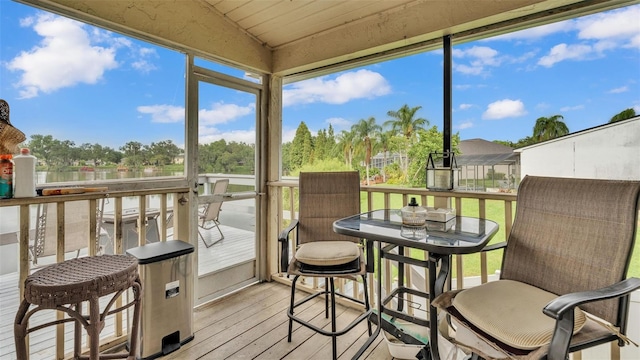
(67, 285)
(77, 280)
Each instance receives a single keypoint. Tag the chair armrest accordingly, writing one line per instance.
(492, 247)
(561, 309)
(560, 306)
(283, 238)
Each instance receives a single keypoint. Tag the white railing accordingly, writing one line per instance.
(121, 203)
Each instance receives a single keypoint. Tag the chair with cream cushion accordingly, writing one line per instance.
(324, 198)
(562, 285)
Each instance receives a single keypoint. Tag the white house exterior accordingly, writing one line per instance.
(610, 151)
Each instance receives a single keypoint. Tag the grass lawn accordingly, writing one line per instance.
(495, 212)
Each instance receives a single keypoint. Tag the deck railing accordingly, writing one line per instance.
(467, 270)
(163, 201)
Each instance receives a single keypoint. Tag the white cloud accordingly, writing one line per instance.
(65, 57)
(221, 113)
(599, 33)
(619, 25)
(619, 90)
(288, 135)
(464, 125)
(480, 57)
(339, 123)
(465, 106)
(563, 52)
(345, 87)
(571, 108)
(163, 113)
(143, 62)
(504, 109)
(71, 53)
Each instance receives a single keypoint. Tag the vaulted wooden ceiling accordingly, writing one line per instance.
(289, 37)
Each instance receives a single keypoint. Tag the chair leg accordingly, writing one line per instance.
(293, 294)
(77, 337)
(366, 300)
(210, 244)
(20, 330)
(95, 324)
(135, 326)
(220, 231)
(326, 296)
(334, 337)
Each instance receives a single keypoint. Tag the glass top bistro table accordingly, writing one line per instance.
(461, 235)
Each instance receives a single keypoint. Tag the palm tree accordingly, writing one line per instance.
(623, 115)
(346, 143)
(403, 120)
(365, 130)
(383, 141)
(547, 128)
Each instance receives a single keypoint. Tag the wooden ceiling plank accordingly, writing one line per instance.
(227, 6)
(327, 19)
(247, 15)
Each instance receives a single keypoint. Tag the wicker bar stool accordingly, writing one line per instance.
(66, 285)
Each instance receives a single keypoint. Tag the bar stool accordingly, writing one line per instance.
(65, 286)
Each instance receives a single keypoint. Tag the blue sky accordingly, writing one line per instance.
(84, 84)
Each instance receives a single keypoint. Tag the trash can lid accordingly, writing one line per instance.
(159, 251)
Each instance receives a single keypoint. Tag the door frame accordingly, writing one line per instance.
(205, 286)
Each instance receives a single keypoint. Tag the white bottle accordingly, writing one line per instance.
(24, 174)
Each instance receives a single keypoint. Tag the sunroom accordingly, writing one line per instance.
(239, 287)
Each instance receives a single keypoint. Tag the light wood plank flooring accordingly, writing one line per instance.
(252, 324)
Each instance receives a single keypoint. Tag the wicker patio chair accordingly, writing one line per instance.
(563, 285)
(324, 198)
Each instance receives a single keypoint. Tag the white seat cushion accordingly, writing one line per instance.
(328, 253)
(511, 312)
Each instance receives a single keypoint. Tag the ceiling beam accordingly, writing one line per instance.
(413, 23)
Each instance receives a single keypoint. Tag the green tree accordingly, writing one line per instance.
(365, 131)
(301, 147)
(346, 143)
(163, 152)
(320, 150)
(404, 121)
(623, 115)
(42, 147)
(383, 141)
(430, 140)
(331, 148)
(547, 128)
(133, 153)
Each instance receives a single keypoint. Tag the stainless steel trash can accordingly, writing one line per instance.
(167, 297)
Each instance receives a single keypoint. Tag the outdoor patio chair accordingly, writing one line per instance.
(208, 215)
(76, 230)
(562, 285)
(325, 197)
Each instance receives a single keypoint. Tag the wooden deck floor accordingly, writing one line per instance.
(249, 324)
(252, 324)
